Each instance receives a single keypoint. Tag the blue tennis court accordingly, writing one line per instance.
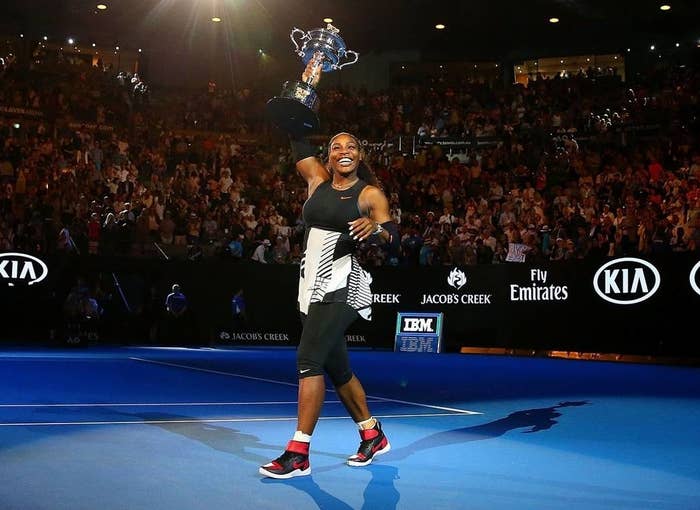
(171, 428)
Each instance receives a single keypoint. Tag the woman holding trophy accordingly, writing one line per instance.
(344, 207)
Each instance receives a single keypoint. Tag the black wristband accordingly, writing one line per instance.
(394, 239)
(302, 148)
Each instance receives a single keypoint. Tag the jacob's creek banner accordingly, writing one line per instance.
(625, 305)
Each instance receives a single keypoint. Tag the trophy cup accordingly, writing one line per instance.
(295, 110)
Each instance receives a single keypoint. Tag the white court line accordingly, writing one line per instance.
(451, 409)
(205, 420)
(210, 371)
(159, 404)
(417, 404)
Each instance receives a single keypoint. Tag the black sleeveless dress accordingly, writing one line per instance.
(330, 272)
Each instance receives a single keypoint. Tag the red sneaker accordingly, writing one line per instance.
(293, 462)
(373, 443)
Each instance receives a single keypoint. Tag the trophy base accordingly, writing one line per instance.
(294, 111)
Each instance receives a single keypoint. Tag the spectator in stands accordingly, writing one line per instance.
(263, 253)
(65, 241)
(135, 156)
(94, 228)
(280, 251)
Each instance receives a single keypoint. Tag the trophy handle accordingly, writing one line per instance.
(304, 35)
(348, 52)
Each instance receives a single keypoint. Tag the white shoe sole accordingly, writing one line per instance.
(292, 474)
(358, 463)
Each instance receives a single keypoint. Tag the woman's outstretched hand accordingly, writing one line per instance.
(362, 228)
(307, 74)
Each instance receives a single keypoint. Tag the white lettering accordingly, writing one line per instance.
(639, 282)
(538, 275)
(27, 271)
(276, 337)
(455, 299)
(537, 293)
(386, 298)
(610, 283)
(476, 299)
(415, 344)
(20, 266)
(247, 336)
(252, 336)
(418, 324)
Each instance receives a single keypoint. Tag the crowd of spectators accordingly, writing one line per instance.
(574, 168)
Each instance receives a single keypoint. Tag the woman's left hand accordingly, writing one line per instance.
(362, 228)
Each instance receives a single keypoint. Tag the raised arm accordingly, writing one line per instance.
(307, 164)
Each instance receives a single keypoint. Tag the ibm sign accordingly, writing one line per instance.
(418, 332)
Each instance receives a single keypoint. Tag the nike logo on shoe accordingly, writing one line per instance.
(379, 446)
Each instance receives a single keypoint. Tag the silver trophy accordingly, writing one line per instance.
(295, 110)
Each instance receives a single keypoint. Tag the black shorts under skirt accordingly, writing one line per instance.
(322, 347)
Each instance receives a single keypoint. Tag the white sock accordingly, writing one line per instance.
(301, 437)
(365, 424)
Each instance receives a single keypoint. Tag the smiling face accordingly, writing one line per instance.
(344, 154)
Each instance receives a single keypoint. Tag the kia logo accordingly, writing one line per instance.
(694, 279)
(626, 281)
(21, 268)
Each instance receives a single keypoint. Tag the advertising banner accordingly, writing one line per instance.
(626, 304)
(418, 332)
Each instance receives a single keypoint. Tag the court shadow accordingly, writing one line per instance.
(223, 439)
(324, 499)
(534, 420)
(379, 494)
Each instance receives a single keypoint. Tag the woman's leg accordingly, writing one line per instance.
(312, 391)
(373, 441)
(323, 332)
(353, 397)
(321, 349)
